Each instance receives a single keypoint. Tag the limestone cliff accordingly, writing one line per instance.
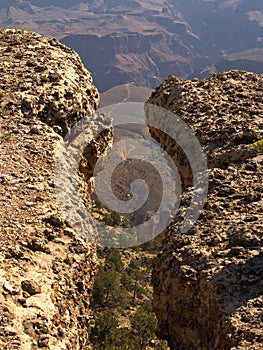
(208, 282)
(46, 270)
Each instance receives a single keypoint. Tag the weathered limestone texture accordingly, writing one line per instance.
(208, 283)
(46, 270)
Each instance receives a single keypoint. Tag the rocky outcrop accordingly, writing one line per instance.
(208, 282)
(46, 269)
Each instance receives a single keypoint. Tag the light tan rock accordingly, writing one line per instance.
(44, 90)
(208, 282)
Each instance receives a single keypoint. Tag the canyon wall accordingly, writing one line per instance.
(208, 282)
(145, 41)
(252, 59)
(46, 269)
(141, 58)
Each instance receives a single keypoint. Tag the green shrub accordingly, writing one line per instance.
(6, 137)
(6, 112)
(258, 145)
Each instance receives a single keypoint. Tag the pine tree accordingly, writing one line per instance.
(103, 326)
(144, 324)
(107, 290)
(113, 260)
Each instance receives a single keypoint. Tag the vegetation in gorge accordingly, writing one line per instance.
(122, 315)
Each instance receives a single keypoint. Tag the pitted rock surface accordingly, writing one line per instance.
(46, 269)
(208, 282)
(33, 86)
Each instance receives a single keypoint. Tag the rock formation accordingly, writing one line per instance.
(208, 282)
(46, 270)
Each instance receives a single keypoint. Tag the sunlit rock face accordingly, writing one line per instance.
(208, 281)
(46, 269)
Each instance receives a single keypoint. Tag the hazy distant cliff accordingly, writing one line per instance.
(185, 38)
(132, 57)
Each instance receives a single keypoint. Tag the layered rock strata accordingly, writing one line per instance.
(46, 269)
(208, 282)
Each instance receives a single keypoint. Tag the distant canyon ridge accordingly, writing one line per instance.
(141, 42)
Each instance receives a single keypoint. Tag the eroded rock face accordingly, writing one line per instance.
(46, 270)
(208, 282)
(58, 94)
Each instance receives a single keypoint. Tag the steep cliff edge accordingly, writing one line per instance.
(46, 270)
(208, 282)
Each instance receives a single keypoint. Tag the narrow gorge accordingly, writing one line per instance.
(207, 282)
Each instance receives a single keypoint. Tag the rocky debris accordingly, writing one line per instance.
(208, 282)
(31, 287)
(10, 288)
(46, 274)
